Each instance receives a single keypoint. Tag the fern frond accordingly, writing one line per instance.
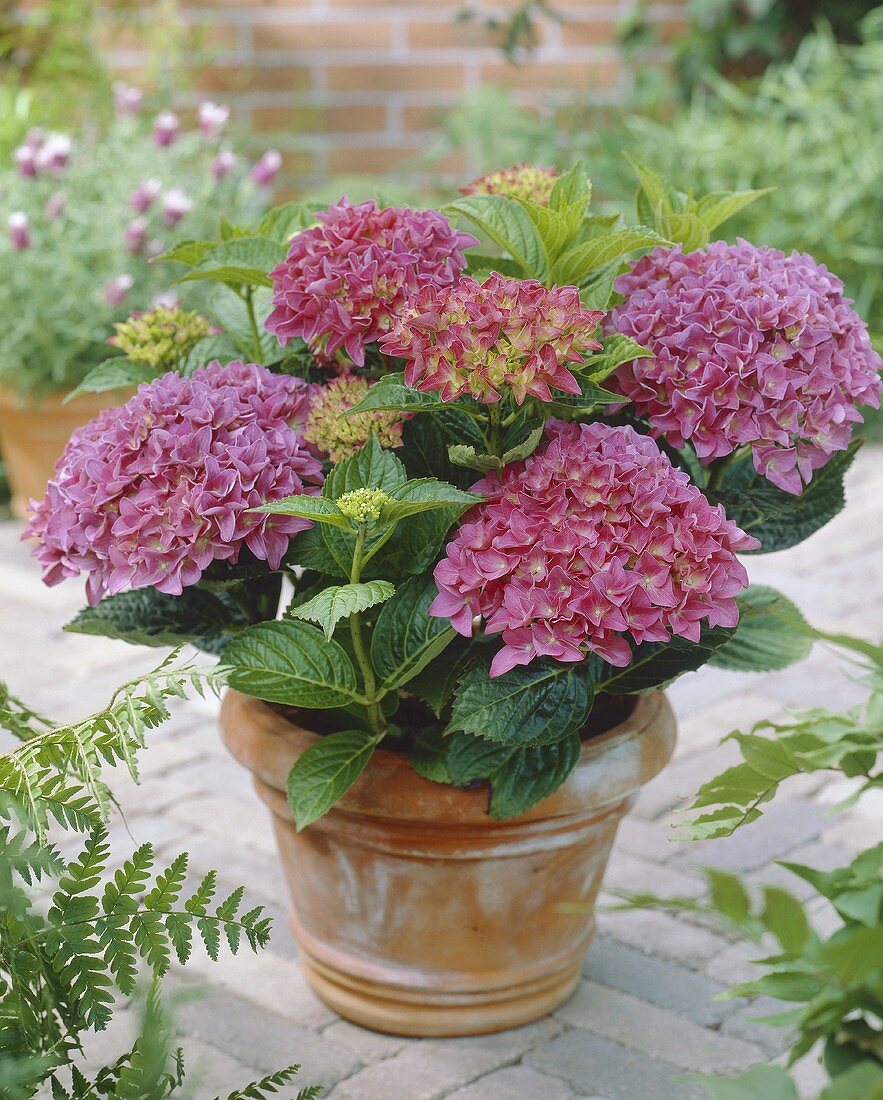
(270, 1085)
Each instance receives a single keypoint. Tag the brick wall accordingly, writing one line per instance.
(343, 86)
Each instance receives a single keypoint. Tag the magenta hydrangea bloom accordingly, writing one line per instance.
(750, 346)
(152, 492)
(502, 334)
(594, 538)
(344, 280)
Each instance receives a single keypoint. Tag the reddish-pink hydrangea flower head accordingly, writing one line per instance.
(594, 538)
(344, 280)
(152, 492)
(485, 338)
(521, 181)
(750, 346)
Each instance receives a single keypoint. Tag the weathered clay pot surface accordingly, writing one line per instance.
(33, 435)
(418, 914)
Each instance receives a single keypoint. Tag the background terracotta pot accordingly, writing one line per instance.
(33, 435)
(418, 914)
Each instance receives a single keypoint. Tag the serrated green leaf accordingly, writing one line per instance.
(219, 345)
(241, 261)
(325, 772)
(423, 495)
(115, 373)
(509, 226)
(317, 509)
(340, 601)
(579, 262)
(686, 229)
(282, 222)
(618, 349)
(405, 637)
(657, 192)
(188, 252)
(390, 392)
(428, 755)
(471, 758)
(144, 616)
(531, 774)
(480, 267)
(572, 188)
(656, 664)
(714, 209)
(771, 634)
(292, 663)
(371, 467)
(536, 704)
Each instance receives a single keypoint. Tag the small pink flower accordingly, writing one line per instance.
(344, 281)
(19, 230)
(750, 348)
(150, 493)
(212, 118)
(25, 158)
(165, 298)
(54, 153)
(594, 539)
(127, 99)
(223, 164)
(144, 195)
(175, 206)
(135, 235)
(165, 128)
(482, 339)
(264, 171)
(55, 206)
(154, 248)
(116, 290)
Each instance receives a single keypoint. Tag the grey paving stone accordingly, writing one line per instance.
(676, 785)
(514, 1083)
(655, 1031)
(263, 1040)
(784, 826)
(593, 1066)
(658, 981)
(823, 857)
(743, 1023)
(663, 935)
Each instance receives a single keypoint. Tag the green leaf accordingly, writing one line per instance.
(656, 191)
(325, 772)
(428, 757)
(479, 267)
(436, 682)
(144, 616)
(220, 346)
(716, 208)
(573, 188)
(291, 663)
(862, 1081)
(242, 261)
(371, 467)
(728, 895)
(618, 349)
(579, 262)
(463, 455)
(423, 495)
(318, 509)
(188, 252)
(686, 229)
(771, 634)
(282, 222)
(471, 758)
(509, 226)
(405, 638)
(115, 373)
(779, 519)
(784, 916)
(391, 392)
(761, 1082)
(340, 601)
(531, 774)
(656, 664)
(534, 704)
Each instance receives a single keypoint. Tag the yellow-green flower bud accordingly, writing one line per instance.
(363, 505)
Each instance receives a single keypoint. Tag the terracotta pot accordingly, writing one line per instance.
(33, 435)
(418, 914)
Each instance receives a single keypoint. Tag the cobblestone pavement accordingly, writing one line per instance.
(643, 1016)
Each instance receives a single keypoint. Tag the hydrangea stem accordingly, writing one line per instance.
(375, 714)
(494, 430)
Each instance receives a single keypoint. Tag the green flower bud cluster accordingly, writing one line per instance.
(161, 337)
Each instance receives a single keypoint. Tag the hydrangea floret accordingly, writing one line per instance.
(750, 347)
(594, 539)
(338, 434)
(521, 181)
(151, 493)
(345, 280)
(483, 339)
(162, 336)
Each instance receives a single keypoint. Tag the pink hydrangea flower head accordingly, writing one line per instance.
(176, 205)
(521, 181)
(151, 493)
(25, 158)
(265, 170)
(54, 153)
(594, 539)
(750, 347)
(338, 435)
(344, 280)
(144, 195)
(483, 338)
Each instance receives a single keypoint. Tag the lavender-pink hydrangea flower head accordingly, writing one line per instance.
(750, 346)
(149, 494)
(345, 279)
(594, 539)
(482, 339)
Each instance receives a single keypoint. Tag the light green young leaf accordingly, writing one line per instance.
(282, 222)
(771, 634)
(579, 262)
(318, 509)
(463, 455)
(618, 349)
(339, 601)
(325, 773)
(657, 193)
(242, 261)
(115, 373)
(423, 495)
(371, 467)
(292, 663)
(572, 189)
(390, 392)
(784, 916)
(716, 208)
(509, 226)
(188, 252)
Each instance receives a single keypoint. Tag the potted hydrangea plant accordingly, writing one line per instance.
(486, 504)
(83, 217)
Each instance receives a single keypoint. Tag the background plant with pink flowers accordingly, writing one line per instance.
(493, 464)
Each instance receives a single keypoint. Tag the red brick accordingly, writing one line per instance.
(394, 78)
(369, 158)
(265, 78)
(462, 34)
(352, 119)
(552, 75)
(339, 34)
(588, 32)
